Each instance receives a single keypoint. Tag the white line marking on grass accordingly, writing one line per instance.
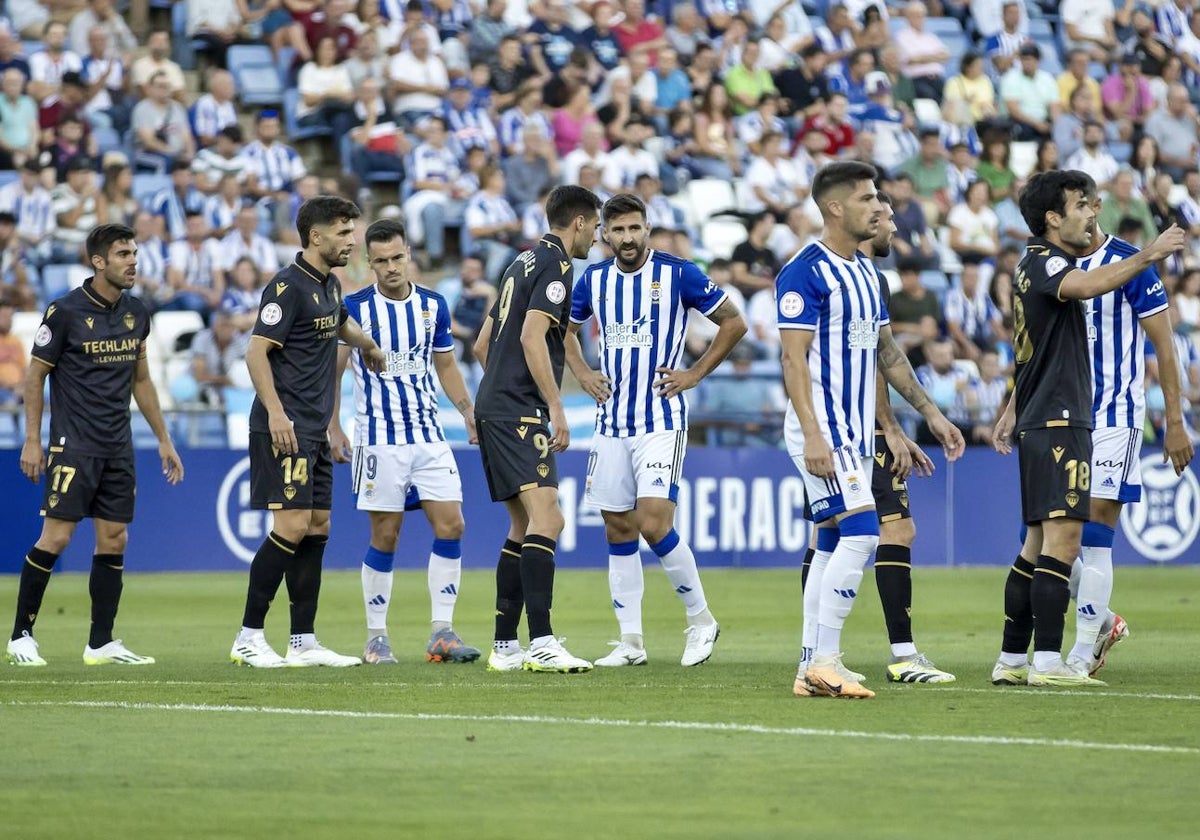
(701, 726)
(1018, 691)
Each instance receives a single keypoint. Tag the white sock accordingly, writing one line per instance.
(506, 646)
(1076, 571)
(1014, 660)
(626, 584)
(680, 565)
(839, 588)
(445, 576)
(377, 594)
(1046, 660)
(247, 632)
(1091, 602)
(904, 649)
(303, 641)
(812, 601)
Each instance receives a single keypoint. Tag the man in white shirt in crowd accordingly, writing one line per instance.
(1093, 157)
(630, 159)
(590, 151)
(418, 80)
(245, 241)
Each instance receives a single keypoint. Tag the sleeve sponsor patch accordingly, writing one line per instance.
(1054, 265)
(556, 292)
(791, 304)
(271, 314)
(43, 336)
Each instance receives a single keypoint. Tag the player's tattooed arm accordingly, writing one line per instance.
(894, 366)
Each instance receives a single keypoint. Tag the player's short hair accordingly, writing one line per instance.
(1046, 192)
(385, 230)
(623, 203)
(845, 173)
(884, 198)
(324, 210)
(568, 201)
(102, 238)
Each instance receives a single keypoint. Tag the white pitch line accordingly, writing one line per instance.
(701, 726)
(1017, 691)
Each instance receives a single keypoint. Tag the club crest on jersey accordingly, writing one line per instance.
(428, 317)
(543, 470)
(129, 320)
(655, 291)
(289, 492)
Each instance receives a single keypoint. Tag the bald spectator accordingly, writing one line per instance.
(216, 109)
(102, 13)
(923, 56)
(418, 80)
(157, 60)
(1174, 127)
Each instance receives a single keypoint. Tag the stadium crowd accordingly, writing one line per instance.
(460, 115)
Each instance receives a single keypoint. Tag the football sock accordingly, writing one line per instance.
(266, 573)
(377, 588)
(839, 586)
(626, 585)
(809, 553)
(302, 641)
(680, 565)
(35, 575)
(1094, 589)
(303, 578)
(445, 576)
(105, 585)
(537, 582)
(1049, 594)
(510, 600)
(506, 646)
(1018, 612)
(893, 579)
(827, 540)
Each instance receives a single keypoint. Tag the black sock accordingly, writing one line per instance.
(266, 573)
(1050, 595)
(1018, 611)
(537, 582)
(510, 598)
(35, 574)
(893, 579)
(105, 587)
(304, 582)
(806, 566)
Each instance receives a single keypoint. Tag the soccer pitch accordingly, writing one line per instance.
(196, 747)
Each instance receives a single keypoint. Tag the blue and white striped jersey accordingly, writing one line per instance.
(839, 300)
(210, 116)
(400, 404)
(34, 210)
(642, 321)
(512, 125)
(1118, 341)
(277, 167)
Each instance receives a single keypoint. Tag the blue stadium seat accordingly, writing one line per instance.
(295, 132)
(183, 48)
(283, 63)
(255, 74)
(8, 176)
(56, 280)
(1040, 28)
(146, 185)
(108, 140)
(944, 26)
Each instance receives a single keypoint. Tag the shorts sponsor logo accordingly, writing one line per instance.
(43, 336)
(1167, 521)
(271, 314)
(556, 292)
(791, 304)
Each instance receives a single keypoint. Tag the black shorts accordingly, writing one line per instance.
(516, 455)
(303, 481)
(79, 486)
(1056, 473)
(890, 492)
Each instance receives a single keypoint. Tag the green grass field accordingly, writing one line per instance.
(195, 747)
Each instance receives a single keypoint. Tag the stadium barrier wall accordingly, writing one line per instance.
(738, 507)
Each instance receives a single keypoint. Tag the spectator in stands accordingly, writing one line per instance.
(19, 128)
(774, 182)
(1162, 210)
(216, 354)
(367, 61)
(1075, 76)
(912, 243)
(31, 203)
(569, 121)
(660, 214)
(195, 270)
(493, 224)
(172, 205)
(589, 178)
(221, 209)
(703, 69)
(630, 159)
(526, 112)
(488, 28)
(75, 208)
(104, 75)
(223, 158)
(120, 42)
(746, 82)
(773, 56)
(151, 283)
(1068, 128)
(47, 66)
(590, 150)
(853, 81)
(469, 125)
(161, 130)
(417, 80)
(117, 204)
(754, 264)
(930, 180)
(243, 292)
(970, 96)
(1189, 207)
(509, 73)
(272, 167)
(804, 87)
(1151, 48)
(216, 109)
(672, 86)
(741, 403)
(68, 141)
(1144, 163)
(376, 145)
(700, 330)
(326, 92)
(762, 120)
(1187, 301)
(986, 396)
(533, 220)
(1127, 98)
(923, 56)
(157, 60)
(1174, 128)
(10, 53)
(915, 312)
(973, 323)
(1093, 157)
(960, 171)
(1030, 95)
(687, 32)
(837, 37)
(1089, 27)
(638, 34)
(947, 385)
(790, 237)
(974, 228)
(14, 277)
(550, 40)
(1122, 201)
(763, 324)
(245, 241)
(641, 81)
(469, 310)
(992, 16)
(1013, 228)
(1011, 33)
(437, 194)
(994, 170)
(28, 17)
(12, 359)
(894, 142)
(904, 92)
(216, 23)
(535, 168)
(834, 124)
(1046, 157)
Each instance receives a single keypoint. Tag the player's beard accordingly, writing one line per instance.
(121, 279)
(638, 256)
(335, 258)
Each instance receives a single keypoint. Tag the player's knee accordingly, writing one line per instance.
(898, 532)
(111, 540)
(548, 523)
(56, 539)
(384, 542)
(654, 529)
(449, 527)
(620, 528)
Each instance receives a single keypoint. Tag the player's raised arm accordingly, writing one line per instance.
(894, 366)
(1177, 447)
(146, 396)
(1084, 285)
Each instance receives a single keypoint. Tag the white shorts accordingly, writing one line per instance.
(623, 470)
(384, 473)
(849, 489)
(1117, 464)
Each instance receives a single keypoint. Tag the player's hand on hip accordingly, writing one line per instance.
(374, 358)
(469, 422)
(560, 438)
(283, 434)
(1171, 240)
(596, 385)
(33, 460)
(950, 437)
(172, 464)
(901, 455)
(674, 382)
(818, 458)
(1177, 448)
(339, 445)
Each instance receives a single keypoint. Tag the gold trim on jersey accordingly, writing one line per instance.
(304, 266)
(1057, 424)
(545, 241)
(533, 485)
(264, 338)
(97, 300)
(1056, 514)
(531, 419)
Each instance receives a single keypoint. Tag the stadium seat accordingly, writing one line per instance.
(1040, 28)
(927, 111)
(8, 176)
(720, 237)
(255, 74)
(296, 133)
(169, 326)
(284, 59)
(683, 205)
(24, 327)
(183, 48)
(944, 26)
(1022, 157)
(59, 279)
(107, 140)
(711, 197)
(145, 185)
(28, 48)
